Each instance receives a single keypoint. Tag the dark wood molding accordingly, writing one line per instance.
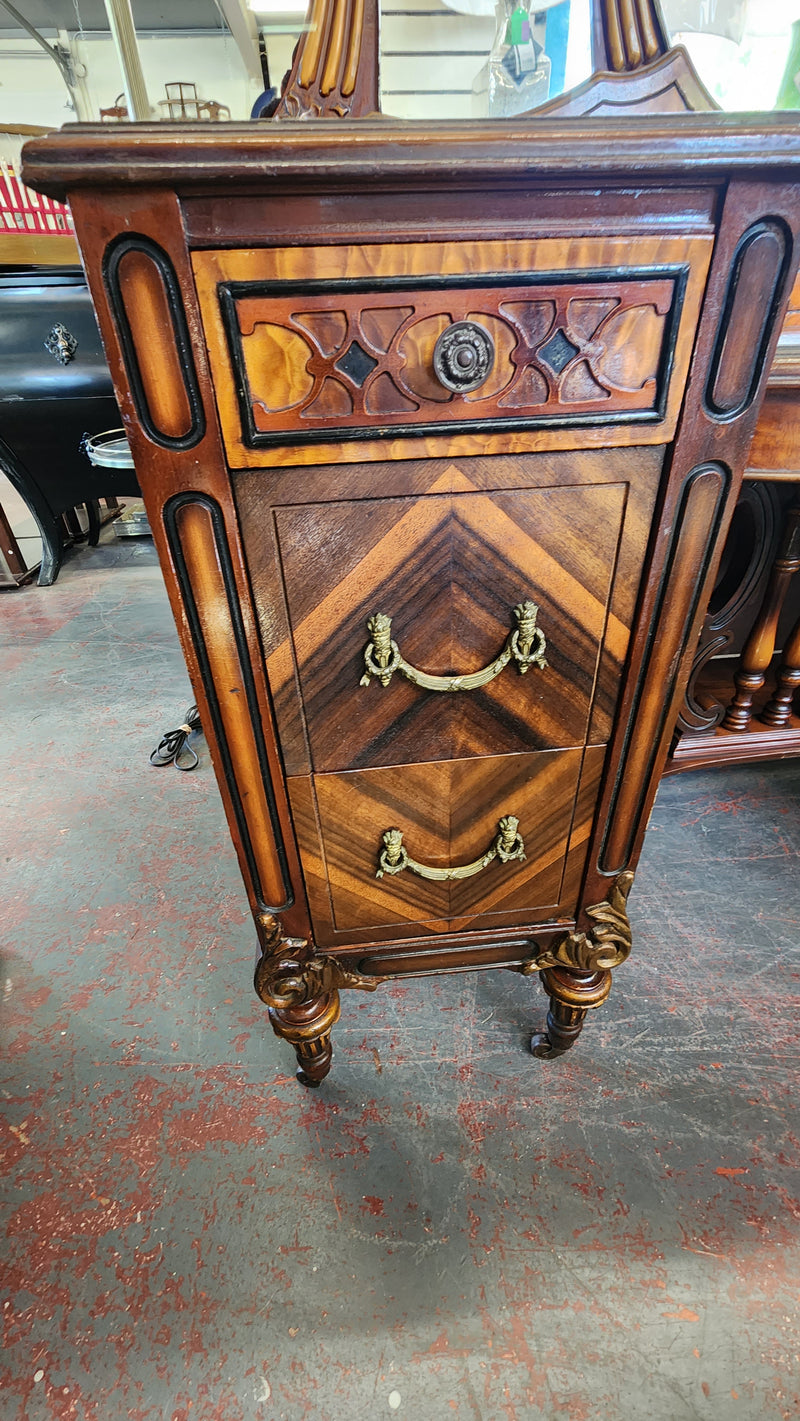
(670, 84)
(373, 153)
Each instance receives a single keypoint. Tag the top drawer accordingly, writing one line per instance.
(476, 338)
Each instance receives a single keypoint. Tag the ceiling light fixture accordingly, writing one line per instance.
(277, 7)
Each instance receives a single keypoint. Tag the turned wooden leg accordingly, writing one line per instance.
(571, 994)
(759, 648)
(308, 1026)
(301, 989)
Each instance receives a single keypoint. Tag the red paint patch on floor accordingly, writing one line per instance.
(372, 1205)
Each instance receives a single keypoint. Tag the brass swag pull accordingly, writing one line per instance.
(525, 643)
(508, 845)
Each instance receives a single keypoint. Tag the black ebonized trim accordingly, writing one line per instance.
(709, 466)
(232, 291)
(113, 255)
(171, 509)
(777, 226)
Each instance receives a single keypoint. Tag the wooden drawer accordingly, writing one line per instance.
(449, 571)
(560, 335)
(449, 814)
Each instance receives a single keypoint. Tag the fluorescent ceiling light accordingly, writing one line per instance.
(277, 7)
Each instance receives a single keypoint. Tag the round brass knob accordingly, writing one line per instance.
(463, 357)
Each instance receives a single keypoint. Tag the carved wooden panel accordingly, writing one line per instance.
(449, 570)
(334, 69)
(666, 85)
(448, 814)
(308, 361)
(314, 347)
(756, 287)
(145, 298)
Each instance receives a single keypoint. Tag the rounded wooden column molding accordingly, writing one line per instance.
(627, 34)
(334, 71)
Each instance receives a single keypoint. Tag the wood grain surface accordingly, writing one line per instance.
(449, 570)
(347, 360)
(448, 564)
(448, 813)
(290, 364)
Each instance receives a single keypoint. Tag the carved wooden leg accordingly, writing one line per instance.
(571, 994)
(576, 969)
(301, 989)
(308, 1026)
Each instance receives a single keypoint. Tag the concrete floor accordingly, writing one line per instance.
(448, 1228)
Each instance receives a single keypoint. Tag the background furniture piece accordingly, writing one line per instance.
(55, 388)
(21, 543)
(33, 230)
(415, 408)
(741, 699)
(15, 569)
(54, 382)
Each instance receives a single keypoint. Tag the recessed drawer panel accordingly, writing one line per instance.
(447, 625)
(438, 844)
(498, 342)
(314, 358)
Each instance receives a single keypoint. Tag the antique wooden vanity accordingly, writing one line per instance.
(440, 429)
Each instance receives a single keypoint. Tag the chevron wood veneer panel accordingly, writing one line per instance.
(315, 566)
(448, 814)
(449, 570)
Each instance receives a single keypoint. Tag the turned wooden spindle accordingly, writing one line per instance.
(759, 648)
(778, 710)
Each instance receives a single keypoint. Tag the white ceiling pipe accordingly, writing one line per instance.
(123, 33)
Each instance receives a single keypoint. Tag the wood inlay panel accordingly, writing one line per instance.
(587, 333)
(145, 297)
(309, 360)
(258, 492)
(449, 570)
(195, 531)
(691, 541)
(448, 814)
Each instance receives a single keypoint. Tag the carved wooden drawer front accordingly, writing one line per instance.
(391, 351)
(451, 815)
(449, 571)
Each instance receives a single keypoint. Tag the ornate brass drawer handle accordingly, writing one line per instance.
(526, 644)
(508, 845)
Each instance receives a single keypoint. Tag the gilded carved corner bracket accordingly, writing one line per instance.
(576, 969)
(603, 947)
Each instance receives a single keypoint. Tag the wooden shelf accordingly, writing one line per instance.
(758, 742)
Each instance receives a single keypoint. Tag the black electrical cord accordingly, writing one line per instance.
(173, 749)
